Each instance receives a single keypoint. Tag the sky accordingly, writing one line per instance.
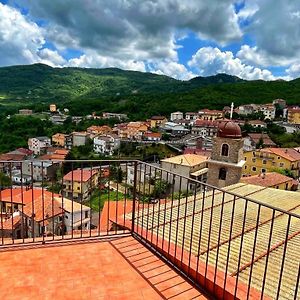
(251, 39)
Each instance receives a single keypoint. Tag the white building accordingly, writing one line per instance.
(268, 110)
(80, 138)
(106, 144)
(39, 144)
(191, 116)
(178, 115)
(189, 165)
(76, 215)
(175, 129)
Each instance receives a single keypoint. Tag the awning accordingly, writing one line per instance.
(199, 172)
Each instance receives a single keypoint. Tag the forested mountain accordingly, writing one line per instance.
(136, 93)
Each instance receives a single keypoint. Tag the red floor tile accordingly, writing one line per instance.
(118, 269)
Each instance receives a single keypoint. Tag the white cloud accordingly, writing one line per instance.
(172, 69)
(294, 70)
(51, 57)
(210, 61)
(94, 60)
(20, 39)
(134, 29)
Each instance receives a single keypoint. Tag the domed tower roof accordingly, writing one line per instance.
(229, 129)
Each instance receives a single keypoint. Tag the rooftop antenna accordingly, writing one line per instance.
(231, 110)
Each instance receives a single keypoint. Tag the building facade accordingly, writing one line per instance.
(226, 162)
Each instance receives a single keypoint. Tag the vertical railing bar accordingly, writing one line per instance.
(125, 200)
(11, 203)
(81, 198)
(134, 196)
(283, 256)
(268, 254)
(200, 232)
(229, 244)
(153, 206)
(32, 196)
(2, 213)
(164, 222)
(99, 200)
(241, 248)
(178, 213)
(192, 227)
(62, 207)
(209, 233)
(171, 213)
(219, 238)
(108, 202)
(253, 250)
(22, 207)
(43, 204)
(52, 204)
(96, 185)
(297, 284)
(139, 196)
(72, 190)
(184, 222)
(158, 213)
(117, 201)
(148, 208)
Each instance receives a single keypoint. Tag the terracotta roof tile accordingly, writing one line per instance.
(80, 175)
(268, 180)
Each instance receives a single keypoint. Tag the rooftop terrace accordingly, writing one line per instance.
(144, 241)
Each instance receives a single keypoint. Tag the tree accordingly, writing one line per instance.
(4, 180)
(116, 173)
(160, 189)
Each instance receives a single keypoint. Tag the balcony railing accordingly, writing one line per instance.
(240, 242)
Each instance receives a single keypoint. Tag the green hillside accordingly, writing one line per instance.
(136, 93)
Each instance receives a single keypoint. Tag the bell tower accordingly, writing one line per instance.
(226, 162)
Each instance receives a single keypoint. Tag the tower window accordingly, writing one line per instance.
(222, 174)
(225, 150)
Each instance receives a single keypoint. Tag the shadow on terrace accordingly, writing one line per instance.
(173, 236)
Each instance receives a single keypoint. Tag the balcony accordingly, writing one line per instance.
(155, 239)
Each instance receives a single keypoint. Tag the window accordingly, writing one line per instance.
(278, 157)
(264, 162)
(222, 174)
(281, 165)
(286, 186)
(263, 170)
(245, 158)
(86, 214)
(253, 160)
(245, 167)
(253, 169)
(225, 150)
(273, 163)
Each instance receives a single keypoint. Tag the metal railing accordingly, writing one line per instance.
(240, 242)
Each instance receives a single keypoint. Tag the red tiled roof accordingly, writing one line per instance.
(16, 195)
(44, 207)
(267, 180)
(266, 139)
(288, 153)
(158, 118)
(197, 151)
(10, 223)
(152, 134)
(199, 122)
(80, 175)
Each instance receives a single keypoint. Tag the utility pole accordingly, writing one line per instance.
(231, 110)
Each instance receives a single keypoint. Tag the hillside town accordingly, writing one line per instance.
(46, 194)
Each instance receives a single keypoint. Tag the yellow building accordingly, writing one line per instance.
(272, 180)
(58, 139)
(211, 115)
(52, 107)
(157, 121)
(268, 159)
(294, 115)
(79, 184)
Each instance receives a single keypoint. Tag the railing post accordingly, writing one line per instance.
(134, 195)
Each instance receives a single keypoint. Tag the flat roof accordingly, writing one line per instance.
(200, 218)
